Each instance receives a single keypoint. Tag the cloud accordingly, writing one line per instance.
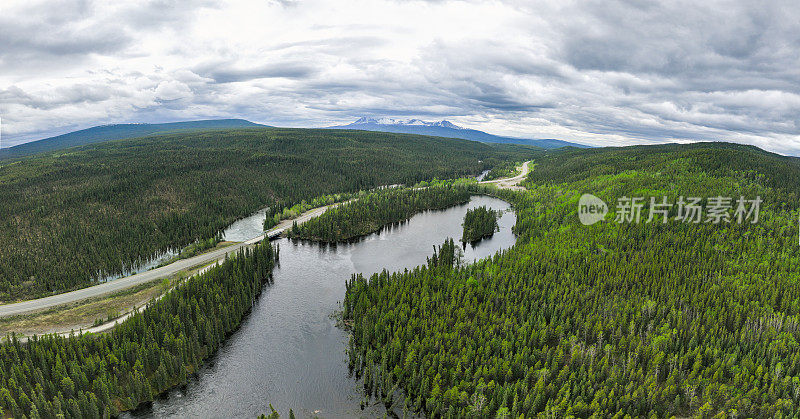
(172, 90)
(40, 34)
(614, 72)
(231, 73)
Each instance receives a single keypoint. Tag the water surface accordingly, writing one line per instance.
(288, 351)
(246, 228)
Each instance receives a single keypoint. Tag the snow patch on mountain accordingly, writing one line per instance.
(445, 129)
(364, 120)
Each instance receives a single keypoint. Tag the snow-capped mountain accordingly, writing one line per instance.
(444, 129)
(408, 122)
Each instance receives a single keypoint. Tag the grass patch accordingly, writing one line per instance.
(92, 311)
(195, 249)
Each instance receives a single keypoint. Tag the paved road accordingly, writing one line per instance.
(184, 264)
(512, 182)
(147, 276)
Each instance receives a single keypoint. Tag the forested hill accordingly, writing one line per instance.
(614, 319)
(73, 216)
(716, 158)
(116, 132)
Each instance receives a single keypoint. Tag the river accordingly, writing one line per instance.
(288, 351)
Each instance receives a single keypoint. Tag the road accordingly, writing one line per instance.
(147, 276)
(185, 264)
(512, 182)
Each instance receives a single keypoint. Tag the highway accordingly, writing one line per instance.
(185, 264)
(512, 182)
(147, 276)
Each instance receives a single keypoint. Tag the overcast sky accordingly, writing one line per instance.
(598, 72)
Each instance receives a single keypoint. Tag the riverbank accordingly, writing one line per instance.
(118, 285)
(289, 350)
(375, 210)
(154, 350)
(79, 310)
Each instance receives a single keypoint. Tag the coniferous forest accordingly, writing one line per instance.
(658, 316)
(479, 223)
(502, 170)
(90, 376)
(631, 319)
(517, 209)
(368, 212)
(72, 217)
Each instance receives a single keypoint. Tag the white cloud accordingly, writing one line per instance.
(172, 90)
(614, 72)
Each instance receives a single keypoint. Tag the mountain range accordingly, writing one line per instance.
(446, 129)
(116, 132)
(123, 131)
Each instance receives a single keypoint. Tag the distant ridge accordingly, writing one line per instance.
(116, 132)
(446, 129)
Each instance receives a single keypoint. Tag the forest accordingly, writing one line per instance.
(72, 217)
(194, 249)
(91, 376)
(656, 318)
(285, 211)
(502, 170)
(369, 212)
(649, 319)
(478, 223)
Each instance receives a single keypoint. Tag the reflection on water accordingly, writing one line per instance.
(247, 228)
(288, 351)
(241, 230)
(141, 267)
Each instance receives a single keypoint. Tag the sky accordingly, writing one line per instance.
(596, 72)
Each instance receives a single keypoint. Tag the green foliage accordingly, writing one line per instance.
(723, 160)
(368, 212)
(279, 212)
(504, 169)
(646, 319)
(160, 347)
(479, 223)
(199, 247)
(194, 249)
(274, 414)
(75, 216)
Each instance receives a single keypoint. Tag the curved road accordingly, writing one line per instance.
(512, 182)
(147, 276)
(184, 264)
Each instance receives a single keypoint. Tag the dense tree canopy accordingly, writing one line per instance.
(613, 319)
(368, 212)
(661, 317)
(74, 216)
(86, 376)
(502, 170)
(479, 223)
